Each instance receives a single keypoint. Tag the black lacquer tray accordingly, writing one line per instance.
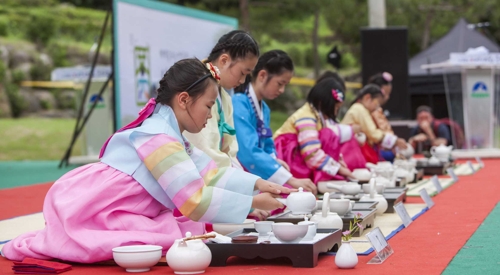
(303, 254)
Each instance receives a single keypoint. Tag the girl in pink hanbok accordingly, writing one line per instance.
(310, 139)
(147, 170)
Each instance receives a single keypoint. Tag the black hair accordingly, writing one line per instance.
(274, 62)
(371, 89)
(333, 75)
(424, 108)
(378, 79)
(321, 98)
(189, 75)
(238, 44)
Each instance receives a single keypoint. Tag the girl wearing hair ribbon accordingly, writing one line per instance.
(310, 140)
(147, 170)
(235, 54)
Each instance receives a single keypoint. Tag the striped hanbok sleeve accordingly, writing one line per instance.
(310, 147)
(198, 189)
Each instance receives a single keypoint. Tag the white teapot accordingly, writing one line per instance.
(348, 188)
(406, 153)
(442, 152)
(189, 257)
(325, 218)
(362, 174)
(301, 202)
(403, 173)
(373, 196)
(434, 161)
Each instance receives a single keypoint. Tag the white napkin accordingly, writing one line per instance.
(220, 238)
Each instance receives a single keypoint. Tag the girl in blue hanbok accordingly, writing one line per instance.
(252, 116)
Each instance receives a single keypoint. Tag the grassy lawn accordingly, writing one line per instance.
(36, 138)
(277, 119)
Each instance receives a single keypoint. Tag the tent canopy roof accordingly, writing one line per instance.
(459, 39)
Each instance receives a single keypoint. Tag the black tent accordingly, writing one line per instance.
(427, 87)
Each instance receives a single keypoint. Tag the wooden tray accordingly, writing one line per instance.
(287, 216)
(434, 169)
(361, 205)
(397, 190)
(418, 176)
(301, 254)
(400, 182)
(392, 198)
(367, 218)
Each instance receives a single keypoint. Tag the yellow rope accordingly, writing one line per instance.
(310, 82)
(52, 84)
(72, 85)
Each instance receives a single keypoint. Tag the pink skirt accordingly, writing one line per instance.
(353, 156)
(94, 208)
(288, 149)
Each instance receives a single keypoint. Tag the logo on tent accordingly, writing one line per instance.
(480, 90)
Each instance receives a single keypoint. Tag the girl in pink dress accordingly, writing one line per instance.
(310, 139)
(147, 169)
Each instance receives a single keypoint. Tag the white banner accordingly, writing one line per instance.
(80, 73)
(149, 37)
(475, 59)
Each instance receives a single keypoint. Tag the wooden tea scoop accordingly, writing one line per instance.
(200, 237)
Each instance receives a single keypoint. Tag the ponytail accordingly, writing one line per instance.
(237, 44)
(381, 79)
(372, 89)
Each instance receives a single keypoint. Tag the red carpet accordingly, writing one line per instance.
(426, 247)
(22, 200)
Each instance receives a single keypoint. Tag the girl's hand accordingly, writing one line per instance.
(401, 143)
(346, 173)
(260, 214)
(273, 188)
(284, 164)
(342, 162)
(306, 184)
(266, 201)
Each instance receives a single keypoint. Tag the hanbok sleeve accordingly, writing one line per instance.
(343, 131)
(310, 147)
(200, 190)
(254, 158)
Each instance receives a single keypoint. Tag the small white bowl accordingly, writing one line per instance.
(226, 228)
(362, 174)
(287, 232)
(137, 258)
(311, 230)
(339, 206)
(263, 227)
(380, 188)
